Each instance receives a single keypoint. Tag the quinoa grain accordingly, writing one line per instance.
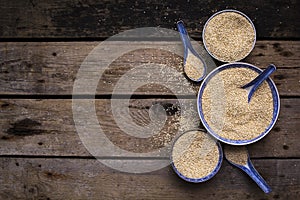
(226, 109)
(229, 36)
(236, 154)
(193, 68)
(195, 154)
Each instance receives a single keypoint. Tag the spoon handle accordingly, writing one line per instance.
(255, 83)
(251, 171)
(184, 35)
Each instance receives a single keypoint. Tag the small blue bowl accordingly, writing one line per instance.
(220, 12)
(275, 95)
(203, 179)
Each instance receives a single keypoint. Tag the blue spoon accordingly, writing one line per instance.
(233, 156)
(189, 51)
(255, 83)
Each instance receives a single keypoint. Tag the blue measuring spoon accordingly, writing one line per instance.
(255, 83)
(190, 53)
(239, 157)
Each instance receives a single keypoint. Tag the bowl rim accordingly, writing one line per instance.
(209, 176)
(275, 95)
(220, 12)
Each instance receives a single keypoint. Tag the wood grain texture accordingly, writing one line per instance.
(43, 155)
(90, 18)
(51, 68)
(57, 178)
(46, 127)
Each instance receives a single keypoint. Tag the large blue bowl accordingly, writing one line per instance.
(275, 95)
(203, 179)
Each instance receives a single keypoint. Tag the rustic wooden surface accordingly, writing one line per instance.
(54, 178)
(88, 18)
(46, 127)
(51, 68)
(42, 45)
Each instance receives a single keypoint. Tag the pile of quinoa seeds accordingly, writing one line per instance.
(195, 154)
(236, 154)
(229, 36)
(226, 109)
(193, 68)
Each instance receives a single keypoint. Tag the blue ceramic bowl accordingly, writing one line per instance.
(203, 179)
(275, 95)
(220, 12)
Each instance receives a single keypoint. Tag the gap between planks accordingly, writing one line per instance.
(124, 158)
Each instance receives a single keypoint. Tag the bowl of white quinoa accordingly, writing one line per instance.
(229, 35)
(224, 109)
(196, 156)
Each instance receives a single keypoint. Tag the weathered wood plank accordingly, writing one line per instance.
(41, 178)
(51, 68)
(46, 127)
(89, 18)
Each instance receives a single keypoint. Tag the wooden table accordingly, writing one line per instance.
(43, 44)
